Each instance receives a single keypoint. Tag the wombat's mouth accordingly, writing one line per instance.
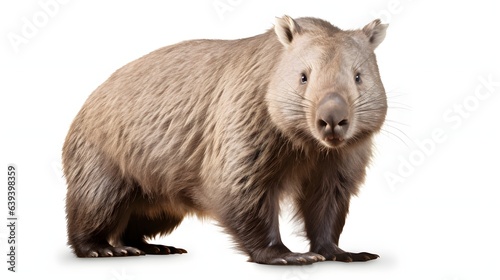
(334, 141)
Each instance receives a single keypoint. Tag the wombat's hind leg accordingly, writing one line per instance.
(97, 202)
(140, 228)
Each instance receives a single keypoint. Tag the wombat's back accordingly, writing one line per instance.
(158, 116)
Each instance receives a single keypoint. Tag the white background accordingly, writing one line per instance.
(439, 220)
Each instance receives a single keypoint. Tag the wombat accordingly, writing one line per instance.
(226, 129)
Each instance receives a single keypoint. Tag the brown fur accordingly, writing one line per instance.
(225, 129)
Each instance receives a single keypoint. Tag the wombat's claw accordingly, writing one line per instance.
(174, 250)
(120, 251)
(154, 249)
(297, 259)
(354, 257)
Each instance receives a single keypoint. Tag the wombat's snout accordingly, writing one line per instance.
(332, 118)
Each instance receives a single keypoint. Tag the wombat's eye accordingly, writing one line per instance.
(303, 78)
(357, 78)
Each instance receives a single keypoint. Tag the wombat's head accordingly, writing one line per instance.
(327, 87)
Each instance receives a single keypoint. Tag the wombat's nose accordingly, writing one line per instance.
(332, 118)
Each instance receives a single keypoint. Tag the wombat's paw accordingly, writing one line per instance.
(153, 249)
(353, 257)
(296, 259)
(111, 251)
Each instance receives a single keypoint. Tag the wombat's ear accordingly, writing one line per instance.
(286, 28)
(375, 31)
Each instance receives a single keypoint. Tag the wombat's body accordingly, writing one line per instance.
(225, 129)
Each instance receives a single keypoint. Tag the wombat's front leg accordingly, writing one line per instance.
(252, 218)
(324, 206)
